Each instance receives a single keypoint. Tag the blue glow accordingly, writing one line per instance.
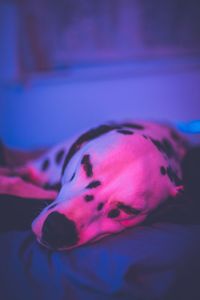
(190, 127)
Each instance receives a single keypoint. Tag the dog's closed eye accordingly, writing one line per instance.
(129, 210)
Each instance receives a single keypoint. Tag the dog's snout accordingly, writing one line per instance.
(58, 231)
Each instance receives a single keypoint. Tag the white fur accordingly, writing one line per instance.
(128, 167)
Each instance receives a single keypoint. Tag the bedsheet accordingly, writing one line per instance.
(161, 261)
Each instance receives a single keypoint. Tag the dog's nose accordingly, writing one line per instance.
(58, 231)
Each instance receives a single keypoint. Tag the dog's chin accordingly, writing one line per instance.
(99, 237)
(44, 244)
(51, 248)
(80, 244)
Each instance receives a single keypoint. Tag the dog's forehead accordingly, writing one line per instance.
(104, 143)
(102, 150)
(108, 145)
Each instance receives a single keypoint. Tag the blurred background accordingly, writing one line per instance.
(71, 64)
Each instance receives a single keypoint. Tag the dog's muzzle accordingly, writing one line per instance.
(58, 231)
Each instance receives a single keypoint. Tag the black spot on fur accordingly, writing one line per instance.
(89, 198)
(100, 206)
(72, 176)
(168, 148)
(133, 125)
(93, 184)
(113, 213)
(87, 165)
(45, 164)
(174, 135)
(170, 173)
(165, 147)
(182, 141)
(86, 137)
(128, 209)
(59, 156)
(157, 144)
(177, 180)
(173, 176)
(124, 131)
(163, 170)
(52, 206)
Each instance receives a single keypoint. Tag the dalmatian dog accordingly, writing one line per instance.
(110, 178)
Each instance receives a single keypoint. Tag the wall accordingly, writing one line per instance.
(49, 108)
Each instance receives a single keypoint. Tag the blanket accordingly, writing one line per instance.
(158, 259)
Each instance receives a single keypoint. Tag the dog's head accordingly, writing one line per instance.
(106, 187)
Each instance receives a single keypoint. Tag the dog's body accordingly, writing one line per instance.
(112, 177)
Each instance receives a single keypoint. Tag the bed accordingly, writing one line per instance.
(159, 259)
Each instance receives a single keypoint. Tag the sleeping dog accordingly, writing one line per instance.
(110, 178)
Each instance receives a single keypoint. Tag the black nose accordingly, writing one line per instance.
(58, 231)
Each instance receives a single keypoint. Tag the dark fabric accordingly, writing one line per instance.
(155, 262)
(17, 213)
(159, 260)
(2, 156)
